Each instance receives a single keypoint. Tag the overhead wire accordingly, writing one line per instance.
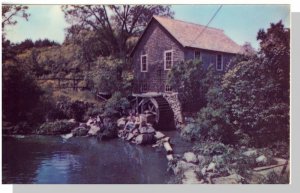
(211, 19)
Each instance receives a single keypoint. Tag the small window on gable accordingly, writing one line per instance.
(197, 55)
(219, 63)
(168, 59)
(144, 63)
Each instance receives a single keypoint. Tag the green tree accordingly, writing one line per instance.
(257, 89)
(114, 24)
(20, 95)
(10, 12)
(188, 78)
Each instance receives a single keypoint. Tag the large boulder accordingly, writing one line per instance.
(145, 139)
(251, 152)
(211, 167)
(159, 135)
(190, 157)
(150, 129)
(183, 166)
(190, 177)
(121, 122)
(80, 131)
(261, 159)
(143, 130)
(232, 179)
(93, 130)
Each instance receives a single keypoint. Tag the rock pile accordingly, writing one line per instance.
(137, 130)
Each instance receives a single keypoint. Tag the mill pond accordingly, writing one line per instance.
(54, 160)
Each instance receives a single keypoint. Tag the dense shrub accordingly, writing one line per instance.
(257, 89)
(21, 96)
(56, 127)
(184, 78)
(249, 104)
(116, 105)
(109, 130)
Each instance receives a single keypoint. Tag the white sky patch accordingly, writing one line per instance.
(44, 22)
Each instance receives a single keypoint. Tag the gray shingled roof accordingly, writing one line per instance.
(187, 34)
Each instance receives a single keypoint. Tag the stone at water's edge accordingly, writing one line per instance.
(159, 135)
(232, 179)
(211, 167)
(80, 131)
(262, 159)
(190, 157)
(183, 166)
(190, 177)
(67, 136)
(250, 153)
(94, 130)
(121, 122)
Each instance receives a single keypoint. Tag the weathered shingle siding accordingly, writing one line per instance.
(154, 42)
(208, 57)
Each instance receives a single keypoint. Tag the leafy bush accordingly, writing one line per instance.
(109, 130)
(191, 132)
(257, 89)
(211, 148)
(56, 127)
(112, 75)
(116, 105)
(184, 78)
(20, 94)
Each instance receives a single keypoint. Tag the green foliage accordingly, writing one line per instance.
(76, 109)
(257, 89)
(114, 25)
(191, 132)
(116, 105)
(184, 77)
(211, 148)
(56, 127)
(109, 130)
(11, 12)
(249, 104)
(21, 96)
(112, 75)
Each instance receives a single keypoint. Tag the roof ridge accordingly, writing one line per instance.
(164, 17)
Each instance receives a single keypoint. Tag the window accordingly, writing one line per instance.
(144, 63)
(168, 59)
(168, 88)
(219, 64)
(197, 55)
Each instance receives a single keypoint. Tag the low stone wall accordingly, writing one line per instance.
(175, 104)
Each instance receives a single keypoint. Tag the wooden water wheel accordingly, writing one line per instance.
(159, 107)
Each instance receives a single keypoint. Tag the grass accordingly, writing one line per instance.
(85, 96)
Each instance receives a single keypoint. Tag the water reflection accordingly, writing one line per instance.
(48, 159)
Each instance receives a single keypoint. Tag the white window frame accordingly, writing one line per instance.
(144, 55)
(199, 54)
(222, 64)
(165, 61)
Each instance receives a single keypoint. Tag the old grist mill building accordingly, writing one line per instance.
(166, 42)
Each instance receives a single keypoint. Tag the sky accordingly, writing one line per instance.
(240, 22)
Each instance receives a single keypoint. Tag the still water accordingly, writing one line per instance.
(53, 160)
